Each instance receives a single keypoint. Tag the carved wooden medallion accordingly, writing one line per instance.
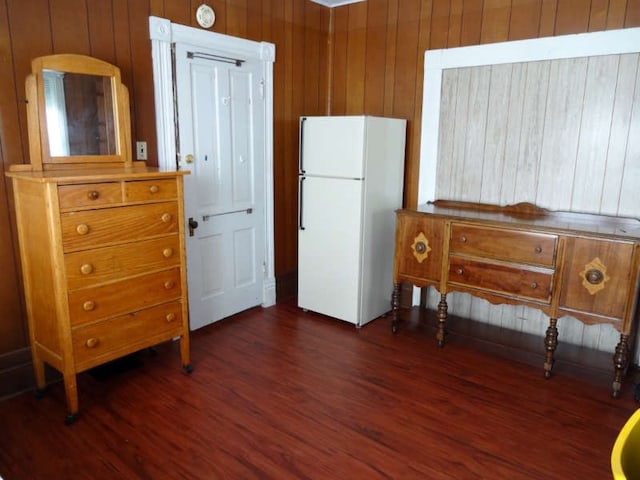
(420, 247)
(594, 276)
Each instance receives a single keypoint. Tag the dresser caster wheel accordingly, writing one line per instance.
(394, 328)
(39, 393)
(187, 368)
(547, 374)
(70, 419)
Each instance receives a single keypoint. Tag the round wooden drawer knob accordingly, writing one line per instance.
(167, 252)
(170, 317)
(169, 284)
(154, 189)
(86, 268)
(166, 217)
(92, 342)
(88, 306)
(93, 195)
(594, 276)
(538, 249)
(82, 229)
(534, 285)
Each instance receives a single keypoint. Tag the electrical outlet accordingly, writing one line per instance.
(141, 150)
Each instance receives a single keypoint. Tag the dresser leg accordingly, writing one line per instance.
(185, 354)
(71, 393)
(441, 315)
(620, 363)
(38, 371)
(395, 307)
(550, 344)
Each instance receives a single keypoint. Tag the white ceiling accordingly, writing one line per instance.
(336, 3)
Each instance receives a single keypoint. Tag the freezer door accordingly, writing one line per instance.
(329, 247)
(332, 146)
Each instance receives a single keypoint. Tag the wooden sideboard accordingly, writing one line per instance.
(563, 263)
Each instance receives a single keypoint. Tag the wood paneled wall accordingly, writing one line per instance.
(364, 58)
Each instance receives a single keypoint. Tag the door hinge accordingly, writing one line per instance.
(262, 86)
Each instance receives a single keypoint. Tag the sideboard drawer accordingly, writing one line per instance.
(146, 190)
(89, 194)
(117, 298)
(534, 284)
(513, 245)
(87, 268)
(99, 342)
(92, 228)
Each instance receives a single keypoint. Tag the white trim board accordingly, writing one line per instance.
(549, 48)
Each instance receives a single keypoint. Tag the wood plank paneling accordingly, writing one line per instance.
(70, 36)
(101, 34)
(572, 16)
(495, 21)
(356, 58)
(367, 58)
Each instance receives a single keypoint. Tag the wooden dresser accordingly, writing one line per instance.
(101, 245)
(563, 263)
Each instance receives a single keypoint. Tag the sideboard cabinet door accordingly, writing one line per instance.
(597, 277)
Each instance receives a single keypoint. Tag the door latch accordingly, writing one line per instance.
(192, 226)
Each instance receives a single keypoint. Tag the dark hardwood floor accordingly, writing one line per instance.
(282, 394)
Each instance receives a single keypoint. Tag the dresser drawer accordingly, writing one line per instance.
(92, 228)
(86, 268)
(128, 295)
(146, 190)
(510, 245)
(89, 194)
(533, 284)
(103, 341)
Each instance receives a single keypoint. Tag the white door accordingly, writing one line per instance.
(221, 142)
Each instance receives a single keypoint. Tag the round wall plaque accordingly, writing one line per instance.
(205, 16)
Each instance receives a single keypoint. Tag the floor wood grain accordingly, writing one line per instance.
(278, 393)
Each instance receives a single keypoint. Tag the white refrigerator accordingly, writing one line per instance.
(350, 183)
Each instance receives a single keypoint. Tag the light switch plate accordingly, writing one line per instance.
(141, 150)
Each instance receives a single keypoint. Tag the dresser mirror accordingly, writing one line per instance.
(78, 113)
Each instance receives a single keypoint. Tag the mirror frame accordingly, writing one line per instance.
(39, 149)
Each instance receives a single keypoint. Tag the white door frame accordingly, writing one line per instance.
(163, 33)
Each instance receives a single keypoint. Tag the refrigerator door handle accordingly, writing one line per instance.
(300, 195)
(301, 154)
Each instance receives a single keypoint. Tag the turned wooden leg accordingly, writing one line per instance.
(185, 354)
(395, 307)
(441, 315)
(550, 344)
(38, 371)
(620, 363)
(71, 393)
